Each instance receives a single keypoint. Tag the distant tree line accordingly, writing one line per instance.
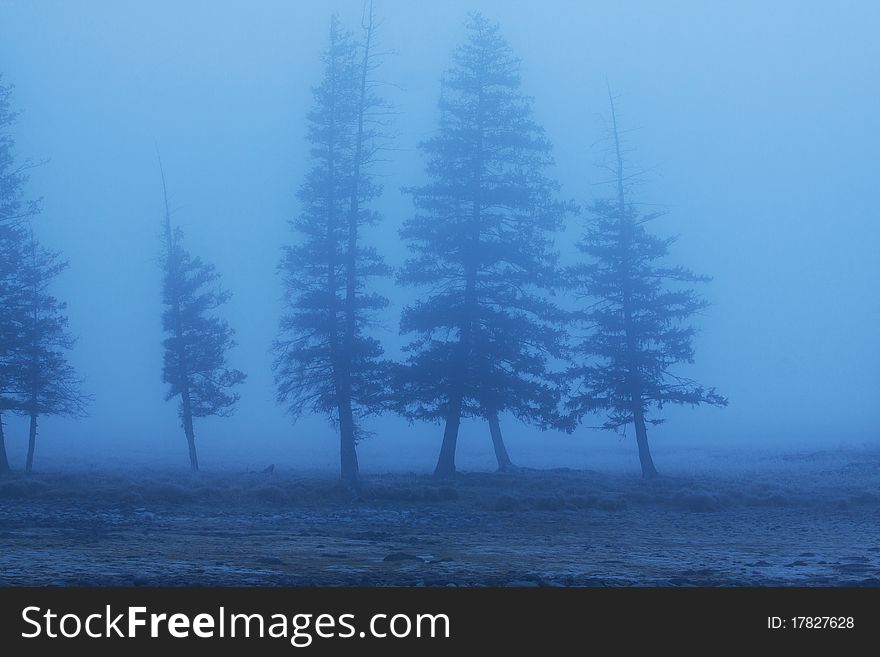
(488, 336)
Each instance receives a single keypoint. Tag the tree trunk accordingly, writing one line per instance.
(190, 434)
(648, 469)
(32, 443)
(4, 461)
(348, 460)
(446, 461)
(504, 462)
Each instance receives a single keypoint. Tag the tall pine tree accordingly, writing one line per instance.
(326, 361)
(15, 210)
(481, 240)
(638, 318)
(197, 339)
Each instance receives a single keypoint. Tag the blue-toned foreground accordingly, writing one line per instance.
(807, 519)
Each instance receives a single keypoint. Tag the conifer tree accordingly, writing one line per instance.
(197, 340)
(481, 244)
(326, 361)
(48, 384)
(15, 210)
(637, 317)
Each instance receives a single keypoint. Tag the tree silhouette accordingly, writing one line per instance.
(197, 341)
(326, 362)
(15, 211)
(481, 243)
(48, 385)
(637, 317)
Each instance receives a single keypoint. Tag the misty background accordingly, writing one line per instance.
(758, 124)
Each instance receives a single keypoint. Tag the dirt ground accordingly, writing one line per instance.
(807, 519)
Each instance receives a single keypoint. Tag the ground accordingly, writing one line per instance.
(808, 519)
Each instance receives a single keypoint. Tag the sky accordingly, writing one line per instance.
(757, 125)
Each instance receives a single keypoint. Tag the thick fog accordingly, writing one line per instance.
(757, 125)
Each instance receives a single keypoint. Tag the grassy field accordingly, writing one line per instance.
(800, 519)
